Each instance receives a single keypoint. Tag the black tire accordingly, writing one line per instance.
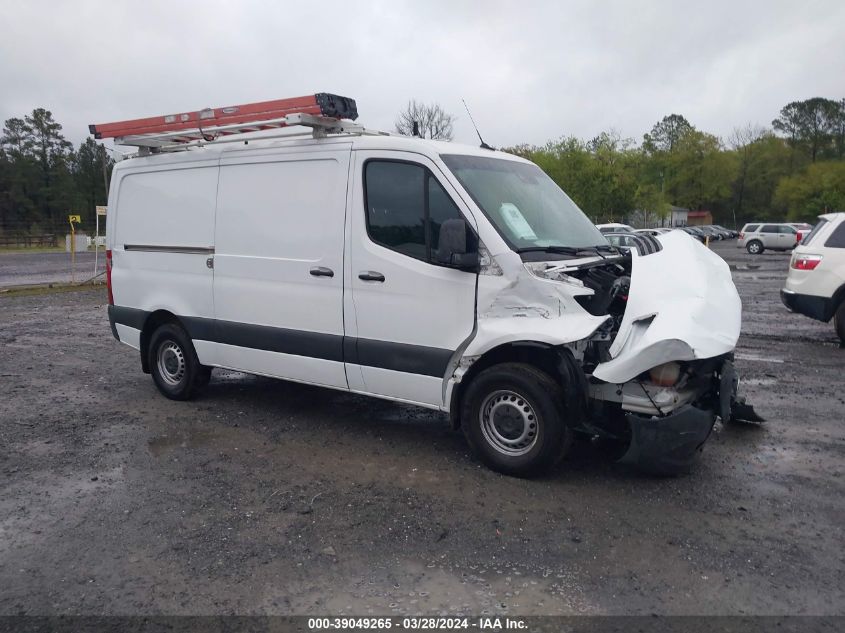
(523, 395)
(839, 322)
(755, 247)
(174, 365)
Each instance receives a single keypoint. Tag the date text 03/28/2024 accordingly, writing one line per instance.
(417, 623)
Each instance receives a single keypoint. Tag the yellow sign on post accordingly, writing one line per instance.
(100, 211)
(73, 219)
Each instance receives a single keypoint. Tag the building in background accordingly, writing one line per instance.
(700, 218)
(678, 216)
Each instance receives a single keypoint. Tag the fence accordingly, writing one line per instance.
(28, 241)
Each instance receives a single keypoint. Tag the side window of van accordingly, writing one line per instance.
(406, 207)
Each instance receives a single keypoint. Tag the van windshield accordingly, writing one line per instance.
(526, 206)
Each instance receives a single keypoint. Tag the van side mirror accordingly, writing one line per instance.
(452, 246)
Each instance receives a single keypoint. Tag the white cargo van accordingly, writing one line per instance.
(430, 273)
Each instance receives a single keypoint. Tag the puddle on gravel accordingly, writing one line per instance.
(759, 359)
(194, 439)
(744, 266)
(777, 455)
(230, 375)
(502, 589)
(758, 382)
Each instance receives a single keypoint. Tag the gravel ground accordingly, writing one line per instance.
(22, 268)
(267, 497)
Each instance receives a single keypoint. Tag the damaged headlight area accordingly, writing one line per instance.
(661, 419)
(606, 282)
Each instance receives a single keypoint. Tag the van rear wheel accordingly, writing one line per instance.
(174, 365)
(514, 419)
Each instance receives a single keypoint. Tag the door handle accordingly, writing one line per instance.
(370, 275)
(321, 271)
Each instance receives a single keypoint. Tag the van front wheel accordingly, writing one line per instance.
(514, 419)
(174, 365)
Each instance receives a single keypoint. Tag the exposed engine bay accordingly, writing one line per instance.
(611, 283)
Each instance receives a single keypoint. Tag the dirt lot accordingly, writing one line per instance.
(269, 497)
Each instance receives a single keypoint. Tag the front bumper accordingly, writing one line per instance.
(819, 308)
(667, 445)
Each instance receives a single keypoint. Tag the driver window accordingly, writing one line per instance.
(406, 206)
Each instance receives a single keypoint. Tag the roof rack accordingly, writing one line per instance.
(323, 112)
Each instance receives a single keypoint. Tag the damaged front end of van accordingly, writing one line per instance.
(653, 331)
(667, 366)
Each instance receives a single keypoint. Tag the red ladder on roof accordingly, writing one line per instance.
(212, 122)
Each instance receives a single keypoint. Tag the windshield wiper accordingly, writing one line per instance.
(607, 248)
(565, 250)
(571, 250)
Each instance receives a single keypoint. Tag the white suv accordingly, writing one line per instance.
(757, 237)
(815, 285)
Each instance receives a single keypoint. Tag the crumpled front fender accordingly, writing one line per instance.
(682, 305)
(515, 305)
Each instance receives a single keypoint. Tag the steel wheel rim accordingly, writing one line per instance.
(508, 423)
(171, 363)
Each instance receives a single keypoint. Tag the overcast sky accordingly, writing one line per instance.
(531, 71)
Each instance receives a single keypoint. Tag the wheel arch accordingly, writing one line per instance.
(153, 321)
(838, 298)
(555, 360)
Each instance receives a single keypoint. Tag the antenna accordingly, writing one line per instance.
(483, 144)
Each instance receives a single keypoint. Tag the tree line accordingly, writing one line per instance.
(43, 178)
(793, 170)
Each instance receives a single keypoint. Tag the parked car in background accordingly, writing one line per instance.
(615, 227)
(756, 237)
(710, 233)
(689, 230)
(623, 241)
(815, 284)
(803, 229)
(726, 233)
(654, 232)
